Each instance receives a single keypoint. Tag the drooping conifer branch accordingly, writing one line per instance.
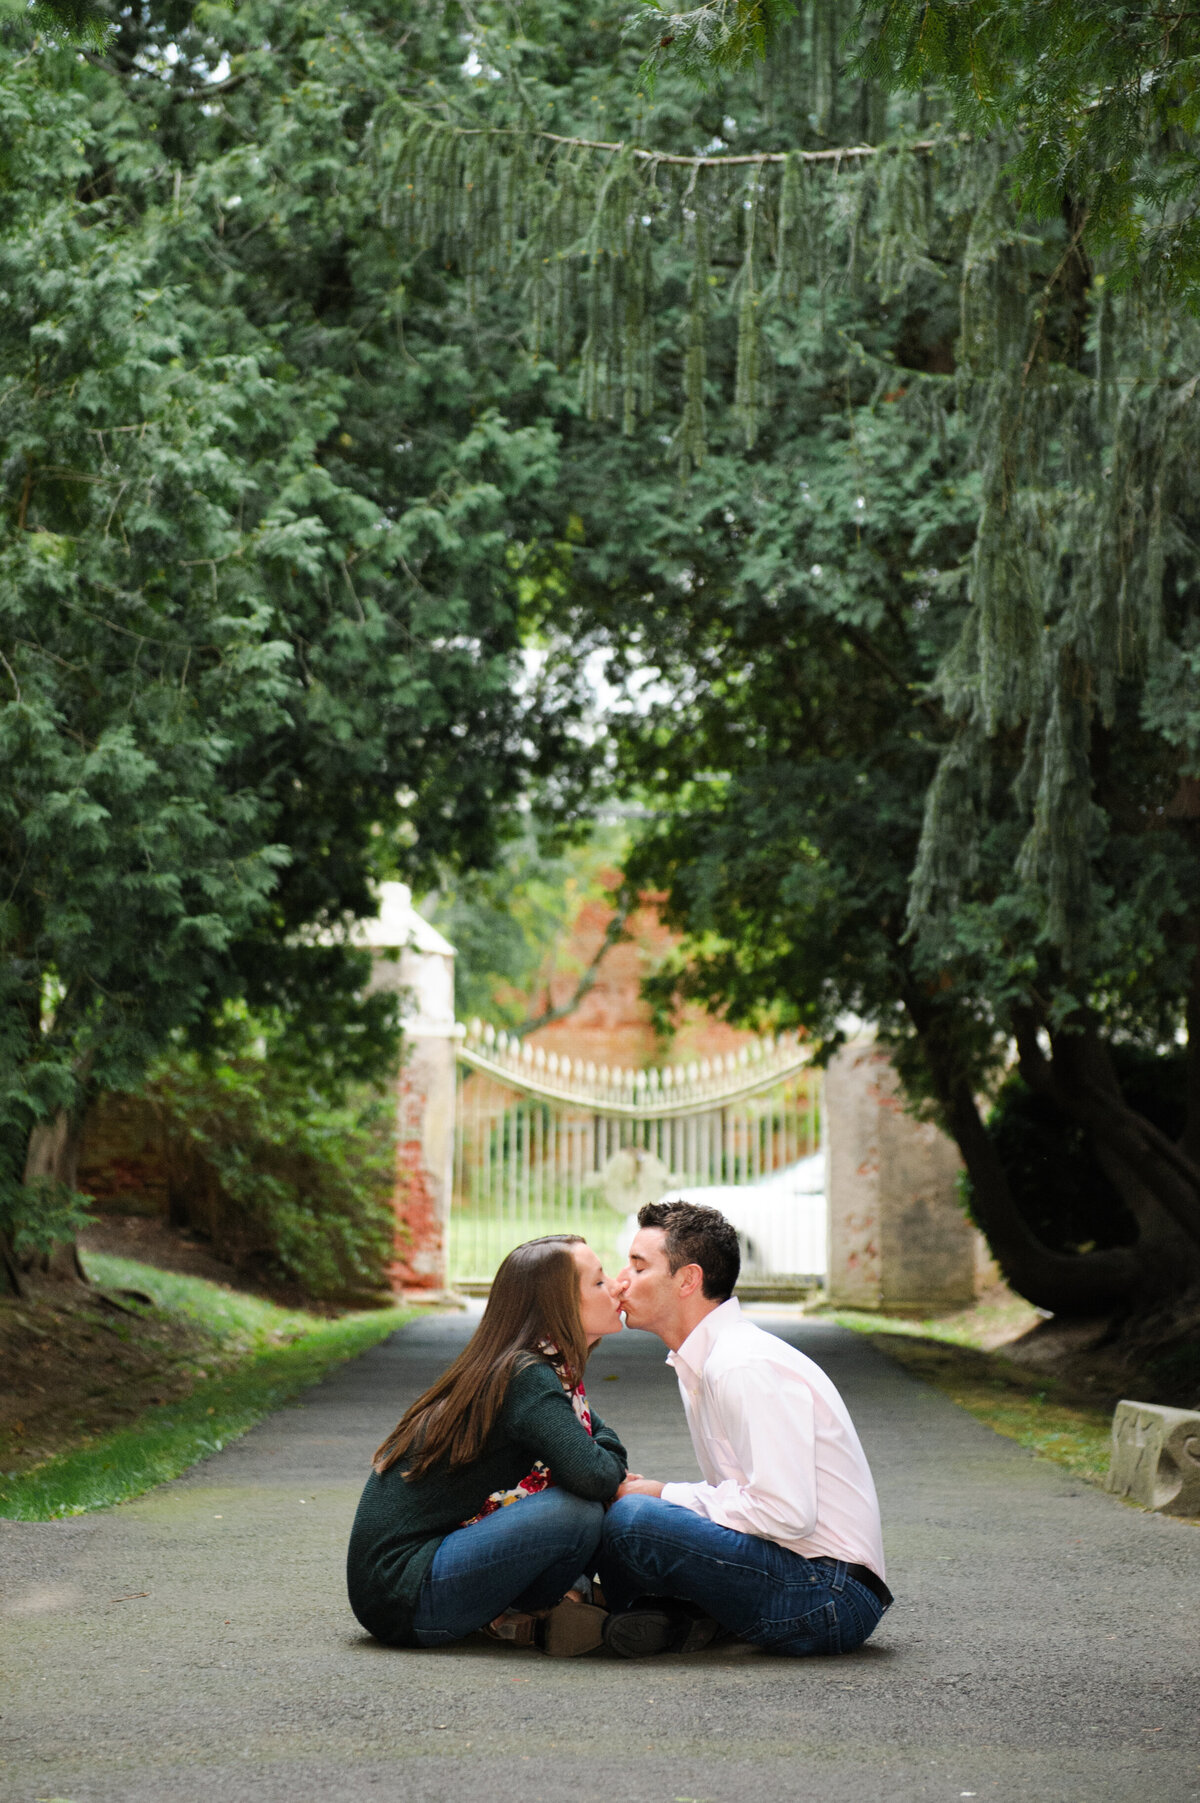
(1085, 425)
(757, 158)
(580, 223)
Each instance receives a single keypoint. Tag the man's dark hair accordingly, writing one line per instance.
(698, 1236)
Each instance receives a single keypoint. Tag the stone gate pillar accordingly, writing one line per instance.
(412, 957)
(899, 1241)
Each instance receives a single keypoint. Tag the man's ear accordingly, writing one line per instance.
(690, 1279)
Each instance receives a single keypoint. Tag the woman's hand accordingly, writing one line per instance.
(636, 1485)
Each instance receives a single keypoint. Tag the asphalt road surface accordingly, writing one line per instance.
(196, 1645)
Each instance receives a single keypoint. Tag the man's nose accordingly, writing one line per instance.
(621, 1281)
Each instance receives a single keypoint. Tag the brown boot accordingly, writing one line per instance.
(513, 1628)
(570, 1629)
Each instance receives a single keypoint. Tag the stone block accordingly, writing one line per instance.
(1156, 1457)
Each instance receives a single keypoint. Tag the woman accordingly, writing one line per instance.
(486, 1501)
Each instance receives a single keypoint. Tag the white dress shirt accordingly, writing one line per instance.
(776, 1445)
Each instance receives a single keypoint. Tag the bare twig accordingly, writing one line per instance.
(16, 685)
(26, 491)
(868, 649)
(707, 162)
(612, 933)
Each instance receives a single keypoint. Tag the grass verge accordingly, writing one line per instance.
(1037, 1411)
(232, 1318)
(257, 1357)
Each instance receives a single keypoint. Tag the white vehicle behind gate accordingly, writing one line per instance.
(781, 1219)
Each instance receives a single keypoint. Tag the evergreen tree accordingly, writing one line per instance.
(925, 606)
(772, 391)
(1098, 100)
(260, 596)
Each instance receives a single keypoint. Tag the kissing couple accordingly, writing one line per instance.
(502, 1503)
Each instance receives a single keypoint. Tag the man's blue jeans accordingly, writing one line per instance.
(758, 1590)
(525, 1556)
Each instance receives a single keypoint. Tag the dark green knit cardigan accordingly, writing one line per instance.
(399, 1526)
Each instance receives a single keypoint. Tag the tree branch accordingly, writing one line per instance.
(1085, 1087)
(753, 157)
(16, 685)
(612, 933)
(868, 649)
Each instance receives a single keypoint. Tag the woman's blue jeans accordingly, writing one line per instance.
(525, 1556)
(760, 1591)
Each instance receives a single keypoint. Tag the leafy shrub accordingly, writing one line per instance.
(285, 1178)
(36, 1217)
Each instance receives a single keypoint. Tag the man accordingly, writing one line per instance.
(781, 1543)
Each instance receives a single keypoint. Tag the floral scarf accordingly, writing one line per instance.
(539, 1478)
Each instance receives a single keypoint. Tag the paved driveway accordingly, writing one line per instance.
(1045, 1644)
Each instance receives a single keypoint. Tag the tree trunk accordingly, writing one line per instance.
(1066, 1283)
(53, 1153)
(1170, 1261)
(10, 1273)
(1151, 1173)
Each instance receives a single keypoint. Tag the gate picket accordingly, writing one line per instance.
(533, 1136)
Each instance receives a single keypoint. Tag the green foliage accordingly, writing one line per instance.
(304, 1178)
(707, 40)
(259, 626)
(1082, 438)
(921, 719)
(508, 925)
(592, 231)
(788, 738)
(1101, 100)
(38, 1216)
(86, 22)
(1083, 585)
(1097, 102)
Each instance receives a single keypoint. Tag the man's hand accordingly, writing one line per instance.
(639, 1486)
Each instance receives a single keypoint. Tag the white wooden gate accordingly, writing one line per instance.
(534, 1133)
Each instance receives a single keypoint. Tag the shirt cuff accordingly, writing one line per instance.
(684, 1495)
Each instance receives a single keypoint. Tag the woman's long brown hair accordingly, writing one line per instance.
(534, 1297)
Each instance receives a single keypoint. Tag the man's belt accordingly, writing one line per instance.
(870, 1581)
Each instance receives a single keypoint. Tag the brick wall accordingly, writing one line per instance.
(613, 1025)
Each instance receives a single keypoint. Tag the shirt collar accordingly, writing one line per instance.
(692, 1356)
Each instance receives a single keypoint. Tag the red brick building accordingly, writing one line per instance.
(613, 1024)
